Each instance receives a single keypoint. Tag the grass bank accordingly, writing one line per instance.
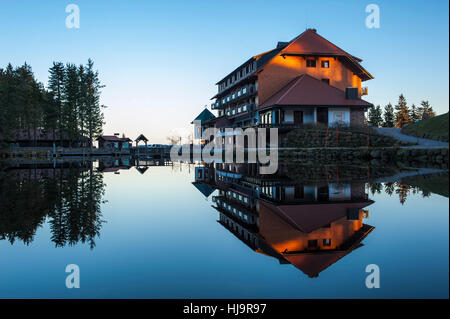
(435, 128)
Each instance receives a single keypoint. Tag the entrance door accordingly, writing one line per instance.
(298, 117)
(322, 115)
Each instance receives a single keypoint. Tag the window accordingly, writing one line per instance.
(312, 243)
(327, 242)
(325, 64)
(310, 63)
(327, 81)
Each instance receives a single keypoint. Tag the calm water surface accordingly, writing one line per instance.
(182, 232)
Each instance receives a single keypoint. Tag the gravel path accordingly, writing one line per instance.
(422, 142)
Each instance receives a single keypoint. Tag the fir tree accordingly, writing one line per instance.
(425, 111)
(389, 116)
(402, 112)
(414, 114)
(93, 109)
(71, 104)
(55, 86)
(375, 116)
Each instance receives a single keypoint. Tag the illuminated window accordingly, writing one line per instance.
(325, 64)
(310, 63)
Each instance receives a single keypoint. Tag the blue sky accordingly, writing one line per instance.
(160, 60)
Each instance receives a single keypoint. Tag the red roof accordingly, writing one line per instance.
(309, 42)
(306, 90)
(309, 217)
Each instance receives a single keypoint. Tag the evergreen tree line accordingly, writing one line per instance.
(68, 109)
(400, 114)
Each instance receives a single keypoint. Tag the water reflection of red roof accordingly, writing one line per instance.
(309, 217)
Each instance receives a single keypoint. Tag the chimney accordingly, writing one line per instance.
(351, 93)
(312, 29)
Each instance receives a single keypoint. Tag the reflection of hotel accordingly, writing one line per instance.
(310, 226)
(306, 80)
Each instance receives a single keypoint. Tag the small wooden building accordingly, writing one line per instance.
(112, 142)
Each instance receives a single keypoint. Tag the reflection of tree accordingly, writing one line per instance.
(375, 188)
(389, 188)
(70, 198)
(399, 188)
(403, 191)
(22, 208)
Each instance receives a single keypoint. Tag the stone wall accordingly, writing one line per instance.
(316, 136)
(405, 157)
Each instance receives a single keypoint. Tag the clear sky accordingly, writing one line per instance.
(160, 60)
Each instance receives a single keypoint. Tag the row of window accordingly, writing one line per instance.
(311, 63)
(233, 210)
(243, 199)
(239, 74)
(315, 243)
(238, 109)
(234, 96)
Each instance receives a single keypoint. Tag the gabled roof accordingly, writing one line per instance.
(310, 42)
(204, 116)
(205, 189)
(141, 137)
(306, 90)
(309, 217)
(307, 43)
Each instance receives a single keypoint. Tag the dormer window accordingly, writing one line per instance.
(310, 63)
(325, 64)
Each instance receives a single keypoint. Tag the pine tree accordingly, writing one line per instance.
(414, 113)
(94, 114)
(402, 112)
(55, 86)
(425, 111)
(375, 116)
(71, 93)
(389, 116)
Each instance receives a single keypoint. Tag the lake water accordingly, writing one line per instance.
(186, 231)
